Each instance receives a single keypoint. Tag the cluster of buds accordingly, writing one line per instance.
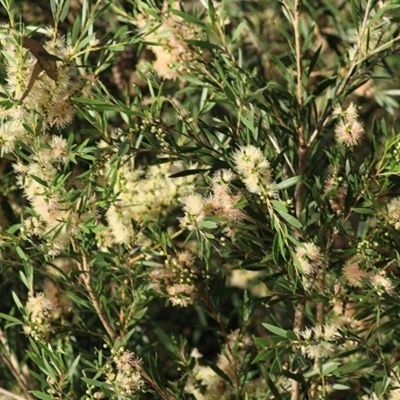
(123, 376)
(335, 191)
(176, 280)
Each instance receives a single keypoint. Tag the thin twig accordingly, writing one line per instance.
(302, 153)
(13, 365)
(319, 319)
(13, 395)
(87, 279)
(84, 267)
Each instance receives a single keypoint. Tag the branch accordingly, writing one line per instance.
(13, 365)
(302, 153)
(12, 395)
(87, 279)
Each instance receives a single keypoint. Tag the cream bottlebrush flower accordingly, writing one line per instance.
(213, 387)
(309, 257)
(243, 279)
(56, 219)
(254, 169)
(393, 212)
(222, 202)
(38, 316)
(320, 350)
(59, 149)
(181, 294)
(352, 272)
(349, 130)
(10, 132)
(349, 133)
(326, 332)
(249, 158)
(330, 332)
(51, 99)
(381, 284)
(172, 52)
(177, 279)
(120, 228)
(195, 353)
(307, 334)
(336, 190)
(127, 379)
(394, 394)
(143, 194)
(38, 306)
(193, 207)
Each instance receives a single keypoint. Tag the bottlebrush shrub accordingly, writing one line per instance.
(200, 200)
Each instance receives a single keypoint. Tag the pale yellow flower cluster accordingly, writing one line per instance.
(357, 277)
(394, 394)
(352, 272)
(56, 219)
(38, 318)
(47, 100)
(169, 32)
(123, 375)
(348, 130)
(142, 194)
(127, 379)
(220, 203)
(381, 283)
(254, 170)
(321, 341)
(393, 212)
(309, 257)
(40, 82)
(245, 279)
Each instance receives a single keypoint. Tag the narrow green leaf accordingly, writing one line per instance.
(288, 182)
(289, 218)
(203, 45)
(73, 366)
(17, 301)
(187, 18)
(24, 279)
(354, 366)
(274, 329)
(21, 253)
(273, 389)
(65, 9)
(11, 319)
(361, 210)
(238, 31)
(208, 224)
(41, 395)
(229, 94)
